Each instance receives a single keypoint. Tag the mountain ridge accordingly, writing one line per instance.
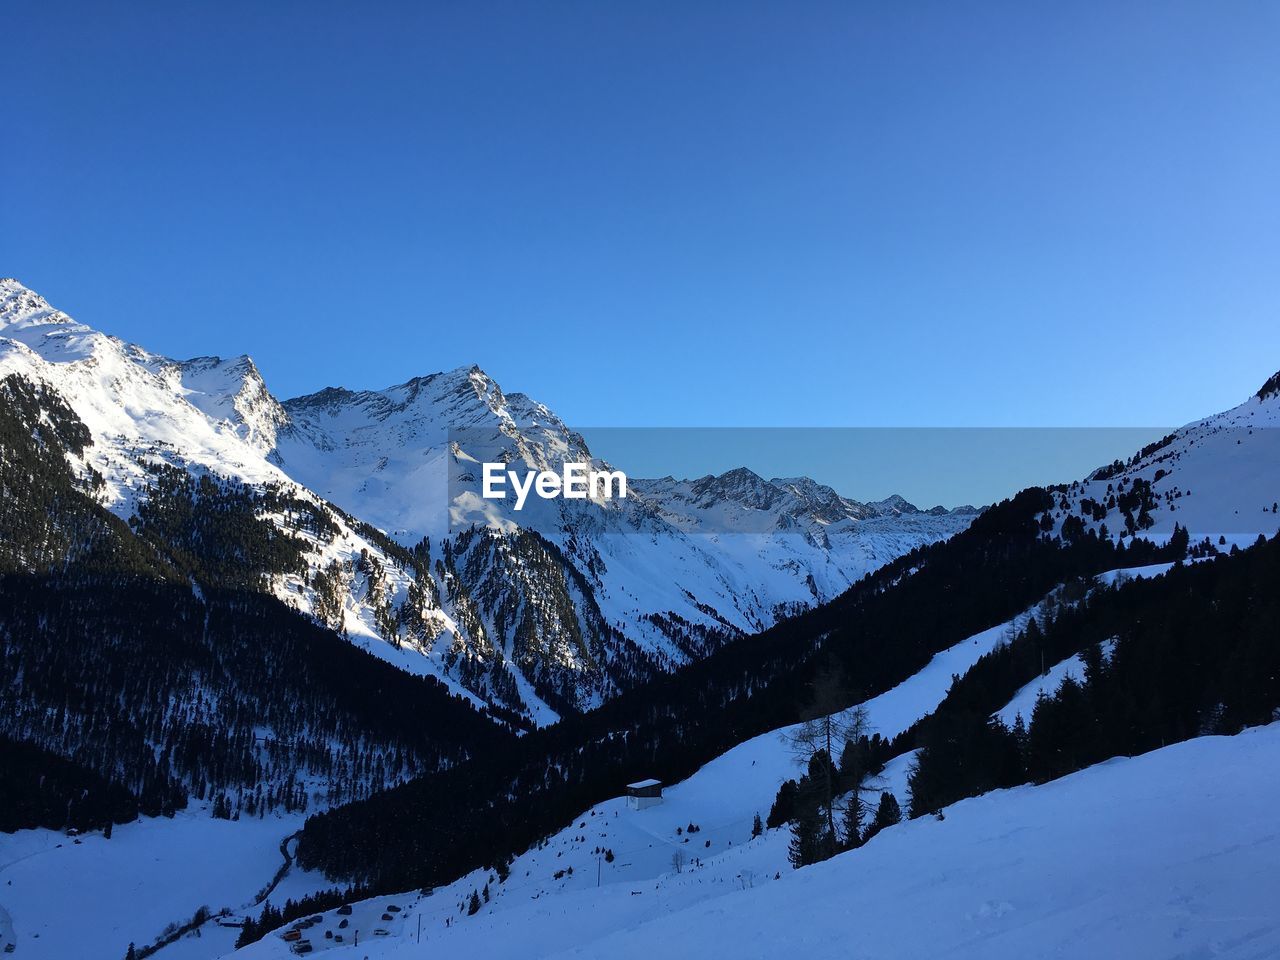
(642, 585)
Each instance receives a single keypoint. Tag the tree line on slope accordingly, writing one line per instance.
(827, 807)
(1127, 703)
(1196, 651)
(124, 681)
(231, 698)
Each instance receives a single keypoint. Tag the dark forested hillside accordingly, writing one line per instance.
(228, 695)
(882, 630)
(1192, 652)
(48, 520)
(39, 788)
(146, 668)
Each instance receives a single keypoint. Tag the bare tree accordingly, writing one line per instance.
(677, 861)
(829, 721)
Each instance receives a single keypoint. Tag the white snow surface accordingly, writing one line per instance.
(1216, 477)
(721, 799)
(1167, 856)
(90, 899)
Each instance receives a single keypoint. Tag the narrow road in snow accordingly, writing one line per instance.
(183, 931)
(282, 872)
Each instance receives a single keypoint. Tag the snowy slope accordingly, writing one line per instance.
(558, 880)
(1081, 867)
(94, 897)
(570, 874)
(1217, 477)
(551, 899)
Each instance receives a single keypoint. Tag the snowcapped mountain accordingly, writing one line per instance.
(215, 419)
(556, 608)
(656, 579)
(1216, 477)
(542, 612)
(642, 584)
(232, 391)
(744, 502)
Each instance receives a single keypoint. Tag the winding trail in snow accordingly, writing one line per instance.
(281, 873)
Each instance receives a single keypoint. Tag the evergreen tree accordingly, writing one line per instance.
(851, 826)
(887, 814)
(806, 837)
(757, 827)
(1019, 732)
(784, 805)
(473, 907)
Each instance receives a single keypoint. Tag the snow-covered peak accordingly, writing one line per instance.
(469, 385)
(233, 391)
(460, 398)
(390, 455)
(23, 307)
(140, 407)
(1215, 477)
(894, 504)
(742, 500)
(740, 485)
(822, 501)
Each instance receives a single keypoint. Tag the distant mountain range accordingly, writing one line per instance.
(541, 613)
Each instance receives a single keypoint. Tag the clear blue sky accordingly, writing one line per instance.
(653, 213)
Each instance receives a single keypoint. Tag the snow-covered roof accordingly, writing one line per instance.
(640, 785)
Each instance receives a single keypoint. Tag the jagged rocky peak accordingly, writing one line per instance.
(894, 505)
(799, 499)
(741, 485)
(327, 397)
(485, 387)
(464, 385)
(21, 306)
(232, 390)
(459, 400)
(822, 501)
(388, 455)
